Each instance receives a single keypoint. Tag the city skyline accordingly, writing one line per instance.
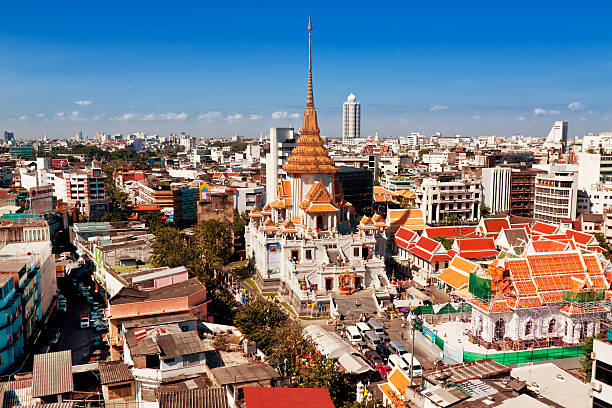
(212, 79)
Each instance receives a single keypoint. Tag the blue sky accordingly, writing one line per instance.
(215, 69)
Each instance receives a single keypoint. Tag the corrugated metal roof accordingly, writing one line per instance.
(180, 344)
(197, 398)
(113, 372)
(52, 374)
(245, 373)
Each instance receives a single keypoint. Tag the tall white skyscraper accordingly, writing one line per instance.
(557, 137)
(351, 119)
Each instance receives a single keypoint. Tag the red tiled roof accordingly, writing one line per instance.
(449, 232)
(265, 397)
(580, 237)
(542, 228)
(496, 224)
(479, 254)
(476, 244)
(427, 244)
(547, 245)
(403, 237)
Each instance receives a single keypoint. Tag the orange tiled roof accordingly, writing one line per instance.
(399, 381)
(547, 245)
(457, 279)
(320, 207)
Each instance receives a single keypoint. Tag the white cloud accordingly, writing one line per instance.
(403, 120)
(233, 118)
(590, 112)
(23, 117)
(83, 103)
(97, 116)
(437, 108)
(124, 117)
(520, 118)
(280, 115)
(210, 116)
(294, 115)
(173, 116)
(575, 106)
(254, 116)
(475, 117)
(60, 114)
(583, 118)
(542, 111)
(40, 115)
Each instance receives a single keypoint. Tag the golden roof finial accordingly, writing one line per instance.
(310, 95)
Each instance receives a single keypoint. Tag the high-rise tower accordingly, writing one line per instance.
(351, 119)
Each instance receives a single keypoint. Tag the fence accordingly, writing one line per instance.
(518, 357)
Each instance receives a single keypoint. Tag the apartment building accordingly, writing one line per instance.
(601, 379)
(556, 194)
(441, 199)
(84, 189)
(522, 190)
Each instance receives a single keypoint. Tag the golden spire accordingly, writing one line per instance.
(310, 96)
(310, 156)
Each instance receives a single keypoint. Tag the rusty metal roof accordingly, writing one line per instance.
(52, 374)
(114, 372)
(196, 398)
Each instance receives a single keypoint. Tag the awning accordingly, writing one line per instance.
(353, 364)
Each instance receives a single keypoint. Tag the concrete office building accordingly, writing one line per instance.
(282, 142)
(496, 184)
(557, 137)
(351, 119)
(601, 379)
(556, 194)
(439, 199)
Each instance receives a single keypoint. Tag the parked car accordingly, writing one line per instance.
(62, 307)
(395, 361)
(417, 371)
(373, 358)
(383, 370)
(102, 328)
(353, 335)
(382, 350)
(397, 347)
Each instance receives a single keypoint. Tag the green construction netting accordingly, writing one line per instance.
(423, 310)
(447, 308)
(440, 343)
(526, 356)
(480, 287)
(464, 307)
(592, 296)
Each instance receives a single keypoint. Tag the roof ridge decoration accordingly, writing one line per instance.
(310, 157)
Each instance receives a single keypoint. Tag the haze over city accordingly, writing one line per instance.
(212, 69)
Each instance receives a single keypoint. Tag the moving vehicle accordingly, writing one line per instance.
(397, 347)
(395, 361)
(418, 368)
(373, 358)
(84, 321)
(353, 335)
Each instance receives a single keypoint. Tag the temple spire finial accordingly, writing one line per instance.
(310, 95)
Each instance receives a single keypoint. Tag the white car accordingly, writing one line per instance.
(417, 370)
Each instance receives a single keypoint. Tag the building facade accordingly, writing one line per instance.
(556, 194)
(496, 186)
(441, 199)
(351, 119)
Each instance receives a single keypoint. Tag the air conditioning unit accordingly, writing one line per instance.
(596, 386)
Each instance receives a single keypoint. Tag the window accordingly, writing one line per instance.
(120, 391)
(552, 325)
(529, 328)
(309, 254)
(356, 251)
(597, 403)
(603, 372)
(191, 360)
(170, 361)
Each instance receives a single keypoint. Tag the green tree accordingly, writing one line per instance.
(485, 211)
(451, 219)
(319, 372)
(586, 363)
(173, 249)
(112, 216)
(447, 243)
(154, 220)
(603, 242)
(259, 320)
(215, 242)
